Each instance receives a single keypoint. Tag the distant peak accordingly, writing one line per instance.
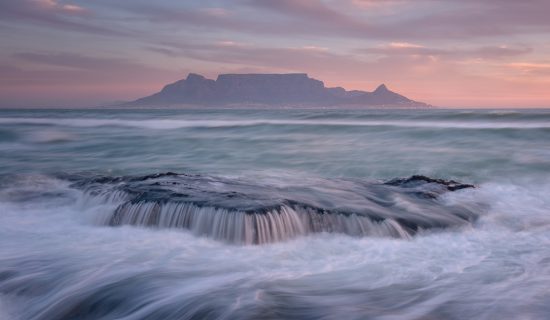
(194, 76)
(381, 88)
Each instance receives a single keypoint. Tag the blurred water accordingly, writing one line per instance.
(56, 262)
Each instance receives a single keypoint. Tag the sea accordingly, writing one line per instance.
(274, 214)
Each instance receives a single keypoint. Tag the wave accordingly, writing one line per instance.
(245, 212)
(160, 124)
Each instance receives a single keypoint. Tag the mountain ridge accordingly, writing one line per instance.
(269, 90)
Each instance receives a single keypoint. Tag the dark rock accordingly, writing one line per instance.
(398, 208)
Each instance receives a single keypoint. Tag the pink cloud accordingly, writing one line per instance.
(68, 79)
(56, 6)
(54, 14)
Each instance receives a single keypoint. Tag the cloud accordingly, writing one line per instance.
(408, 19)
(55, 5)
(40, 78)
(72, 61)
(76, 69)
(311, 9)
(404, 45)
(51, 13)
(282, 58)
(478, 19)
(531, 68)
(410, 49)
(282, 17)
(497, 52)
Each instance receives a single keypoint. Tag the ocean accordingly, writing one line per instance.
(274, 214)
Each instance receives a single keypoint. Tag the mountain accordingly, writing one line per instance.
(278, 90)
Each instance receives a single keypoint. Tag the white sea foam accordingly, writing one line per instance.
(76, 265)
(50, 136)
(200, 123)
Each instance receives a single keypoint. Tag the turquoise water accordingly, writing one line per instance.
(62, 258)
(466, 144)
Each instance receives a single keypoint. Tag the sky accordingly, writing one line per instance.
(450, 53)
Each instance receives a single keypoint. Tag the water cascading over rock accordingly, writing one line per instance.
(242, 211)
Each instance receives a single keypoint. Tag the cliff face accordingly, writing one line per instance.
(295, 89)
(269, 89)
(194, 89)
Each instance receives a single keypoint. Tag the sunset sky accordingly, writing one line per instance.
(454, 53)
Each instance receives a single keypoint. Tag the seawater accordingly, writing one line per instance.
(64, 175)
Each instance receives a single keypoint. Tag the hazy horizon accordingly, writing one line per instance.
(451, 54)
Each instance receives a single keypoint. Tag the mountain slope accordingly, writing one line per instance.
(276, 90)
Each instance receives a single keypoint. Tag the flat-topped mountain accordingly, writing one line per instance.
(279, 90)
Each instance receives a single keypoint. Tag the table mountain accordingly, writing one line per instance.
(279, 90)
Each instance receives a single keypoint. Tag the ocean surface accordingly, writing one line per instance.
(274, 214)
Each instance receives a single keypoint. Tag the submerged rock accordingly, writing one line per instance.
(244, 211)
